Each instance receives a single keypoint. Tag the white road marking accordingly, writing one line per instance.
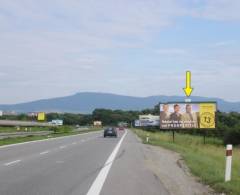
(97, 185)
(61, 147)
(12, 162)
(45, 152)
(74, 143)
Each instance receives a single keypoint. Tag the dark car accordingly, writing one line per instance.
(110, 131)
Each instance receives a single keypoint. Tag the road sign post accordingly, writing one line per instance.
(228, 168)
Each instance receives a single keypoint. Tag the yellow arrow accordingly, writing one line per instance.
(188, 89)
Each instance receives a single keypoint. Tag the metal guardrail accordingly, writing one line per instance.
(24, 123)
(23, 134)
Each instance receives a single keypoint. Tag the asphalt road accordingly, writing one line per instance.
(83, 164)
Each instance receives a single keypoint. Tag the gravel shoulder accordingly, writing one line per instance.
(170, 168)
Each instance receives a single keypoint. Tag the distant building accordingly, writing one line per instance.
(1, 112)
(12, 113)
(97, 123)
(32, 114)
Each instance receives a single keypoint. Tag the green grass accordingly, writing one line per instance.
(15, 140)
(207, 161)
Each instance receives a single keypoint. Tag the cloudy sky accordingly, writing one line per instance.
(51, 48)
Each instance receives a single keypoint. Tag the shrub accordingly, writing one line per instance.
(61, 129)
(232, 137)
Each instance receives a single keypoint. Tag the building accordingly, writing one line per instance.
(97, 123)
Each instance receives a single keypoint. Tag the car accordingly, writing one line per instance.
(121, 128)
(110, 132)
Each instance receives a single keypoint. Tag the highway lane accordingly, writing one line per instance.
(60, 166)
(25, 150)
(131, 173)
(71, 165)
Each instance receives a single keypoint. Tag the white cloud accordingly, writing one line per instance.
(51, 48)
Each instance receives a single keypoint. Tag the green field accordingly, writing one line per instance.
(207, 161)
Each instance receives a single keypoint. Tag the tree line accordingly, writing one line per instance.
(227, 128)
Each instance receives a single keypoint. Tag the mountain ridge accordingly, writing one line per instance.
(86, 102)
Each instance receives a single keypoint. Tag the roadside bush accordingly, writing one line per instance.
(232, 137)
(61, 129)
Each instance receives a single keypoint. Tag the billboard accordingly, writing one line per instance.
(58, 122)
(137, 123)
(188, 115)
(41, 116)
(148, 120)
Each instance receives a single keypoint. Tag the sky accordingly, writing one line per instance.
(131, 47)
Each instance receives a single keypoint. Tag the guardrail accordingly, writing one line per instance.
(24, 123)
(23, 134)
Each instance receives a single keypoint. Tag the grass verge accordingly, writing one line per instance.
(15, 140)
(207, 161)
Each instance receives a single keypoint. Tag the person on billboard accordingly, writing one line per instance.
(190, 119)
(164, 115)
(176, 115)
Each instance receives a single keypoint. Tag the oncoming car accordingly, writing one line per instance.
(110, 131)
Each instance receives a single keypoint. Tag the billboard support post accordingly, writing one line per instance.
(204, 137)
(188, 100)
(173, 135)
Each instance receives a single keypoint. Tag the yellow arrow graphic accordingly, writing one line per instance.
(188, 89)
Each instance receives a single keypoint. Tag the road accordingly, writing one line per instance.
(71, 165)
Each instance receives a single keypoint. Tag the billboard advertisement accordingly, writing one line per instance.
(41, 116)
(58, 122)
(188, 115)
(148, 120)
(137, 123)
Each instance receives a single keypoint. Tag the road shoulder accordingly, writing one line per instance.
(152, 170)
(170, 168)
